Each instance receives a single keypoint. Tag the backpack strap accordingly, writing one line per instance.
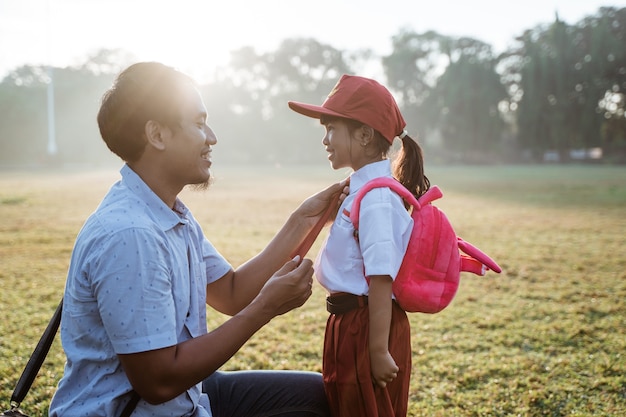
(475, 260)
(478, 262)
(432, 194)
(309, 239)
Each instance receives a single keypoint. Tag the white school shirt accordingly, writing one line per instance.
(384, 230)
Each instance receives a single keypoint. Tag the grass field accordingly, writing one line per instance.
(547, 337)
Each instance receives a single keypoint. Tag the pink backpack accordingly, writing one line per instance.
(429, 275)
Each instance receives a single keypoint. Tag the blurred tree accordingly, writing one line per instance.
(305, 70)
(567, 75)
(77, 100)
(566, 89)
(466, 105)
(412, 69)
(450, 86)
(107, 62)
(604, 38)
(546, 81)
(23, 123)
(256, 88)
(235, 101)
(77, 92)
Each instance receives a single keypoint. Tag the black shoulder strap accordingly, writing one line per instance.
(36, 360)
(131, 404)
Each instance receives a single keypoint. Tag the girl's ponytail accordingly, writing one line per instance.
(409, 167)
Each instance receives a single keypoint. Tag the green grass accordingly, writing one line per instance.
(544, 338)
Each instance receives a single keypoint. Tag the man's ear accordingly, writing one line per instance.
(155, 134)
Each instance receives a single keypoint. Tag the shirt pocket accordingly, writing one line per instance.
(342, 246)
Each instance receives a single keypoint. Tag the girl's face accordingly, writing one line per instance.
(343, 146)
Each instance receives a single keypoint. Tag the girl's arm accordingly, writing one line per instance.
(384, 368)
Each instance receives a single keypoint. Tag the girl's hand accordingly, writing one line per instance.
(384, 368)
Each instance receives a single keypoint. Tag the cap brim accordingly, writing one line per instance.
(312, 110)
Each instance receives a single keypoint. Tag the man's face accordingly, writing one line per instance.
(189, 146)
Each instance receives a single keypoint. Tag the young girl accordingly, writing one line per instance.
(367, 347)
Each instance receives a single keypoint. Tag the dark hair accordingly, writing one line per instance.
(142, 92)
(409, 163)
(409, 167)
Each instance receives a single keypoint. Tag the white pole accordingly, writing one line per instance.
(52, 142)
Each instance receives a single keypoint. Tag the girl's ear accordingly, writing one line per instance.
(365, 134)
(154, 132)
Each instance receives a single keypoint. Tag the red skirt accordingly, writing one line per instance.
(346, 366)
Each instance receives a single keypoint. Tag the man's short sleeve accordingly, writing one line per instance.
(132, 283)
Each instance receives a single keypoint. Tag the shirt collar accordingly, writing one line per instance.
(369, 172)
(163, 215)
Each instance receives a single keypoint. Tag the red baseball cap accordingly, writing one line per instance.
(361, 99)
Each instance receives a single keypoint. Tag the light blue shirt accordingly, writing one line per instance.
(384, 230)
(136, 282)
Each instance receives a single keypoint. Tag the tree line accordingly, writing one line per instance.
(557, 94)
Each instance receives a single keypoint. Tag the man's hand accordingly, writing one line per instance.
(288, 288)
(315, 206)
(161, 374)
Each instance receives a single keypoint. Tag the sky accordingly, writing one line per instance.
(197, 35)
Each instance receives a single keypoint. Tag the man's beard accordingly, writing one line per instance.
(202, 186)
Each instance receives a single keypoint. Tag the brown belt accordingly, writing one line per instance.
(342, 303)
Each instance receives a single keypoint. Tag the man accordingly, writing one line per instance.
(141, 270)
